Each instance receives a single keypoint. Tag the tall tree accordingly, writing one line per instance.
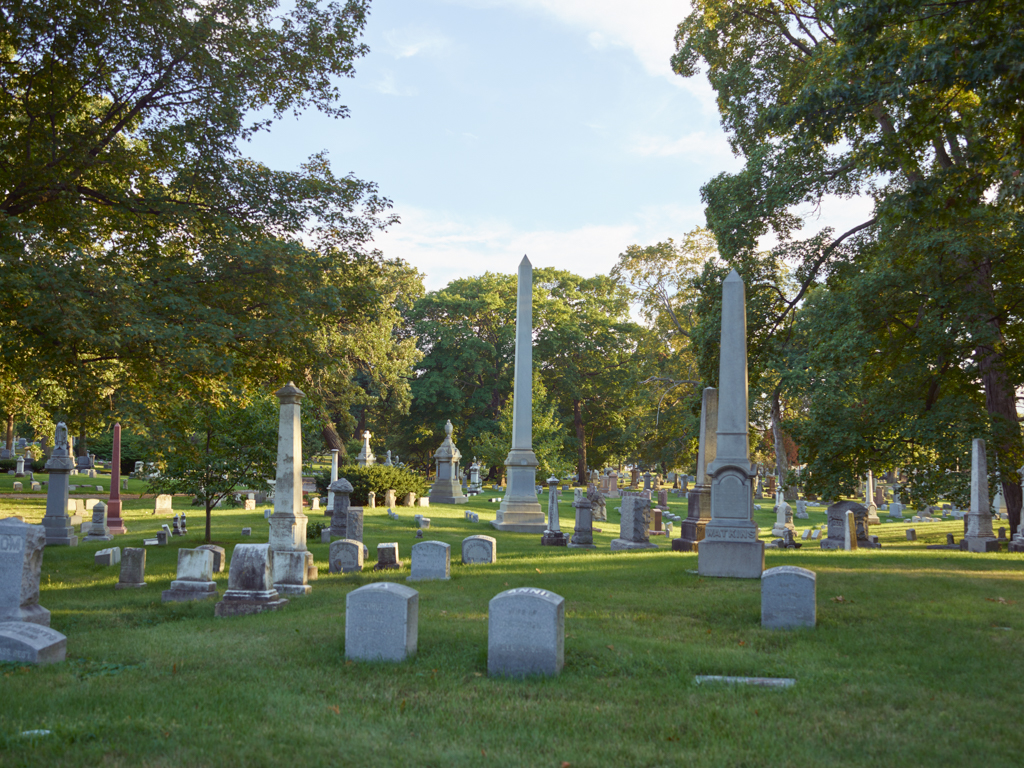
(917, 106)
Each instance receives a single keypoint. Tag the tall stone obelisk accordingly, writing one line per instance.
(114, 521)
(979, 536)
(520, 510)
(730, 546)
(290, 558)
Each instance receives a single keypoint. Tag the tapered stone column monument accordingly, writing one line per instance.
(334, 479)
(520, 511)
(730, 546)
(553, 536)
(869, 499)
(290, 560)
(979, 536)
(698, 500)
(60, 465)
(114, 521)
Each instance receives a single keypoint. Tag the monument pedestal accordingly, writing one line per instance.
(554, 539)
(520, 511)
(735, 559)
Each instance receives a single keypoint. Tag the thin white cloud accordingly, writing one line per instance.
(408, 42)
(389, 86)
(699, 146)
(445, 247)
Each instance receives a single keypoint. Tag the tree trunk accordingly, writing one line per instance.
(581, 455)
(330, 436)
(10, 432)
(81, 444)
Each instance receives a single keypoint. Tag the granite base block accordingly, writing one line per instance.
(183, 591)
(624, 545)
(731, 559)
(244, 602)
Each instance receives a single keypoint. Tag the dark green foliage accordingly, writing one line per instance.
(30, 466)
(376, 478)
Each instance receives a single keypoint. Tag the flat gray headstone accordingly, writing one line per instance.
(788, 598)
(381, 622)
(195, 577)
(431, 560)
(133, 568)
(218, 556)
(479, 549)
(31, 643)
(525, 633)
(250, 583)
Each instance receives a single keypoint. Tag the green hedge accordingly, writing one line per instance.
(376, 478)
(30, 466)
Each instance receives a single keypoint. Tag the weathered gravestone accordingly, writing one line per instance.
(58, 526)
(387, 557)
(21, 559)
(525, 633)
(381, 622)
(583, 532)
(447, 489)
(98, 530)
(31, 643)
(163, 504)
(788, 598)
(860, 537)
(133, 569)
(111, 556)
(389, 498)
(195, 577)
(635, 524)
(250, 583)
(431, 561)
(479, 549)
(598, 505)
(698, 500)
(346, 556)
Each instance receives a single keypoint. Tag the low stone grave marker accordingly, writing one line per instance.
(911, 534)
(31, 643)
(431, 561)
(250, 585)
(346, 556)
(381, 622)
(21, 559)
(218, 556)
(788, 597)
(525, 633)
(195, 577)
(479, 549)
(133, 569)
(387, 557)
(111, 556)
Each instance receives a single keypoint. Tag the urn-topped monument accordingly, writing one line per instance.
(447, 489)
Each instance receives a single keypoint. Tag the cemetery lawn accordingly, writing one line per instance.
(915, 660)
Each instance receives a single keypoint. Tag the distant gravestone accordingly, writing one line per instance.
(387, 557)
(431, 561)
(31, 643)
(98, 530)
(346, 556)
(635, 523)
(911, 534)
(479, 549)
(133, 569)
(218, 556)
(250, 584)
(389, 498)
(195, 577)
(21, 559)
(410, 499)
(163, 504)
(583, 530)
(381, 622)
(788, 598)
(837, 524)
(111, 556)
(525, 633)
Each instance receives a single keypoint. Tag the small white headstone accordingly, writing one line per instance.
(431, 560)
(479, 549)
(381, 622)
(788, 597)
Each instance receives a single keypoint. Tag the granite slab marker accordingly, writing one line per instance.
(431, 561)
(788, 598)
(133, 569)
(381, 622)
(31, 643)
(730, 546)
(21, 561)
(525, 633)
(479, 549)
(520, 510)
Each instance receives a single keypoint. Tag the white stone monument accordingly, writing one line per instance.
(381, 622)
(366, 457)
(290, 560)
(979, 536)
(730, 546)
(520, 510)
(525, 633)
(447, 489)
(334, 477)
(59, 529)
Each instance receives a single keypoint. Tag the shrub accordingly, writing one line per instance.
(376, 478)
(30, 466)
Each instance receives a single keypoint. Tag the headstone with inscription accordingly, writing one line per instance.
(21, 559)
(250, 583)
(195, 577)
(381, 622)
(479, 549)
(133, 569)
(345, 556)
(31, 643)
(634, 531)
(788, 598)
(525, 633)
(431, 561)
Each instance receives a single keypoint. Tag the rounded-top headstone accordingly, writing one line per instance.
(788, 597)
(31, 643)
(381, 622)
(525, 633)
(479, 549)
(431, 560)
(250, 568)
(346, 556)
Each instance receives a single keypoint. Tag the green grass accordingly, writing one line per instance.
(918, 664)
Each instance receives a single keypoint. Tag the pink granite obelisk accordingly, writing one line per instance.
(114, 521)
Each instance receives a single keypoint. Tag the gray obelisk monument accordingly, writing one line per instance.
(291, 559)
(979, 536)
(730, 546)
(520, 511)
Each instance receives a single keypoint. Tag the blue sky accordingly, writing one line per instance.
(553, 128)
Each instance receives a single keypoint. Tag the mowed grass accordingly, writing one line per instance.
(915, 660)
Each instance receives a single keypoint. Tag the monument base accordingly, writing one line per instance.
(684, 545)
(571, 545)
(731, 559)
(62, 541)
(520, 517)
(184, 591)
(554, 539)
(298, 590)
(123, 585)
(245, 602)
(623, 545)
(98, 537)
(981, 545)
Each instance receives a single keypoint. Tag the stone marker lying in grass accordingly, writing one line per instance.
(788, 598)
(381, 622)
(525, 633)
(31, 643)
(250, 588)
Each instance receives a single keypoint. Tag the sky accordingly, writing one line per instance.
(498, 128)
